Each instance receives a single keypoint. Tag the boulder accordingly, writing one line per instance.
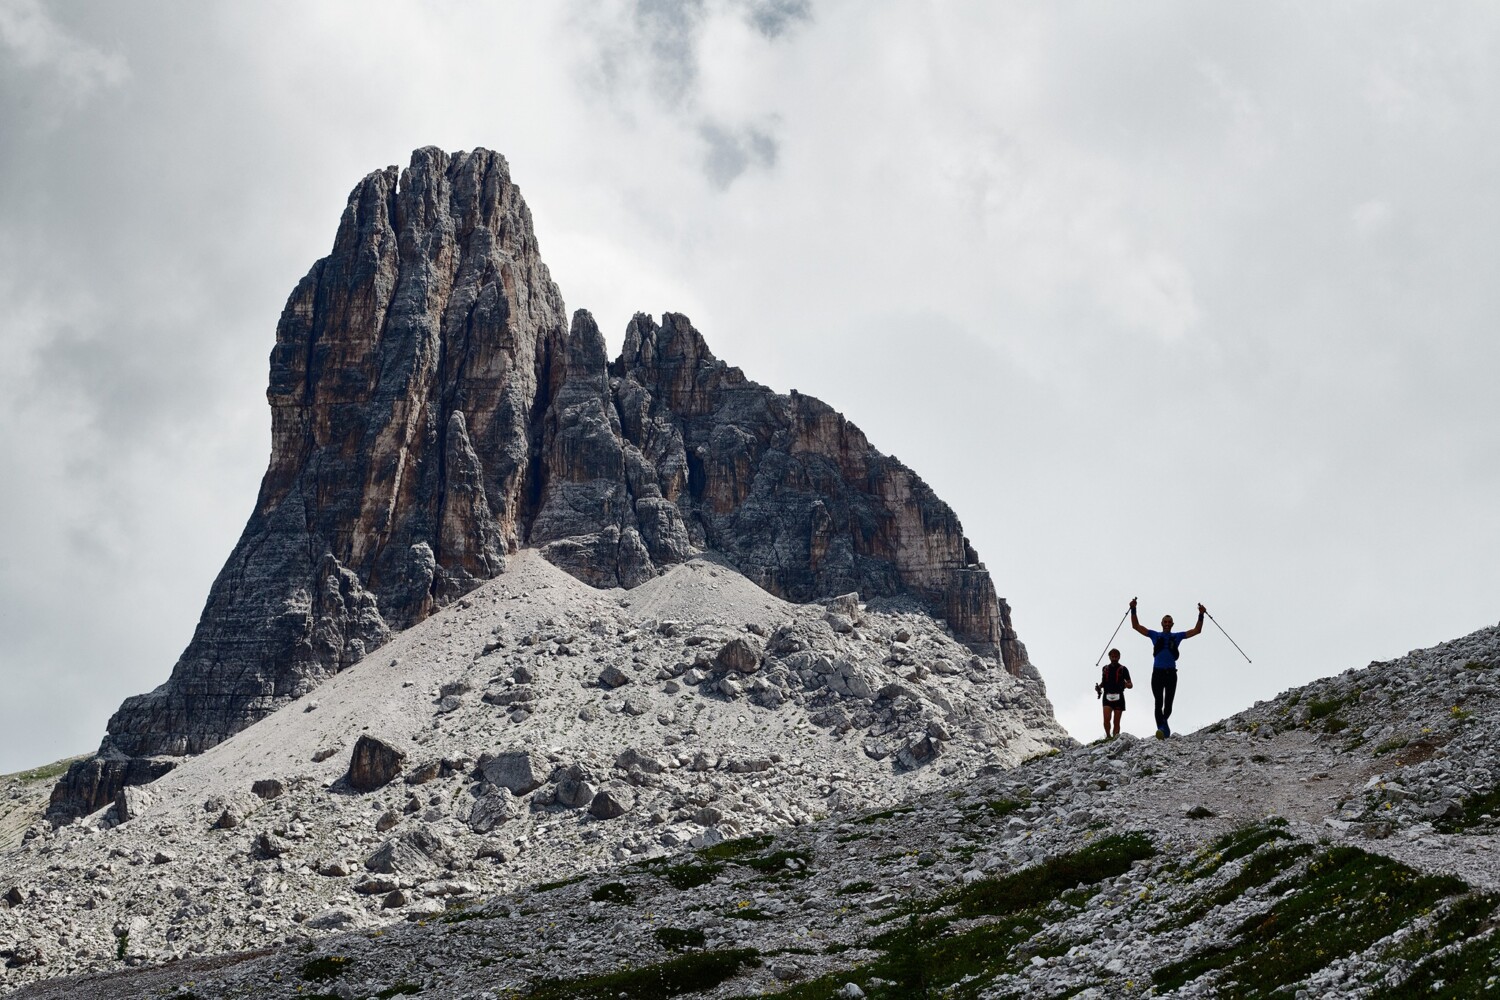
(491, 809)
(517, 771)
(845, 604)
(376, 885)
(268, 789)
(233, 810)
(335, 918)
(749, 765)
(373, 764)
(918, 751)
(131, 801)
(417, 851)
(575, 792)
(633, 759)
(739, 655)
(269, 846)
(612, 801)
(613, 677)
(427, 772)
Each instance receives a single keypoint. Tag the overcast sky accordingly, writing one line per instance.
(1190, 301)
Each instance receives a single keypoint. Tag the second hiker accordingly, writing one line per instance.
(1112, 685)
(1164, 663)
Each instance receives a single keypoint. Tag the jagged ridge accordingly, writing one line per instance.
(432, 412)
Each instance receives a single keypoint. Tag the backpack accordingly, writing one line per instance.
(1113, 681)
(1165, 639)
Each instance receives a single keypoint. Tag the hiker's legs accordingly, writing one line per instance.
(1159, 680)
(1163, 689)
(1116, 713)
(1106, 719)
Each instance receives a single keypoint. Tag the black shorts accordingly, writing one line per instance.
(1119, 704)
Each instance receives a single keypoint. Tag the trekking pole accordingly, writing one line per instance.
(1115, 633)
(1226, 635)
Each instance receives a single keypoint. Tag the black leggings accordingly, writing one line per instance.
(1163, 689)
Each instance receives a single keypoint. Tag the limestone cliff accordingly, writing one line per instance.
(431, 411)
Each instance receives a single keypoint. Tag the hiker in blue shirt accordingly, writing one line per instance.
(1164, 666)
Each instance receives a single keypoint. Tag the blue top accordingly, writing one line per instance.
(1163, 660)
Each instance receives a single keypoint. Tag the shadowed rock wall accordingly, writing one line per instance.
(431, 411)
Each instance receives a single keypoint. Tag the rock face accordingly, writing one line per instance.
(783, 486)
(432, 412)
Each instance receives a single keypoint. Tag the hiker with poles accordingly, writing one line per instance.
(1163, 669)
(1164, 664)
(1111, 688)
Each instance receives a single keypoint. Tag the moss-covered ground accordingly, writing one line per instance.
(692, 972)
(956, 943)
(1344, 901)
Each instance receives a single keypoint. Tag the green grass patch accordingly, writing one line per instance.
(1343, 902)
(1263, 868)
(924, 957)
(1463, 918)
(748, 913)
(775, 863)
(1321, 708)
(694, 972)
(885, 814)
(1046, 881)
(1003, 807)
(560, 883)
(321, 970)
(678, 938)
(691, 874)
(1238, 843)
(46, 772)
(1475, 809)
(731, 849)
(614, 892)
(459, 914)
(1468, 970)
(709, 862)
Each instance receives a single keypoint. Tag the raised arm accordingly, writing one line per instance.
(1135, 622)
(1198, 627)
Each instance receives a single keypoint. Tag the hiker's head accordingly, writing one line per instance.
(1114, 656)
(1166, 623)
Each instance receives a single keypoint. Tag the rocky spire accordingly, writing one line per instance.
(431, 411)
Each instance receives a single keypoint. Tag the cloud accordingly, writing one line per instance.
(730, 154)
(38, 42)
(654, 56)
(773, 18)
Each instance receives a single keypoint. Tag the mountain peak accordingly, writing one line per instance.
(433, 411)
